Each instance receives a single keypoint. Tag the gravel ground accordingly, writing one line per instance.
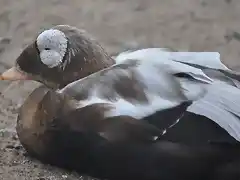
(192, 25)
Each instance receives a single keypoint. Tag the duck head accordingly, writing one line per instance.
(59, 56)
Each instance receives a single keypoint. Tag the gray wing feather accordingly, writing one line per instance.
(222, 105)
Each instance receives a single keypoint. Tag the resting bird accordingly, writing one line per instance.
(64, 54)
(158, 114)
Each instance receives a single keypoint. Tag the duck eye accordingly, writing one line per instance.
(46, 48)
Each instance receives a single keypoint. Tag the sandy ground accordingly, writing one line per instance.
(194, 25)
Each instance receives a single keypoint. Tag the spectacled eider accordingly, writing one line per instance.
(156, 107)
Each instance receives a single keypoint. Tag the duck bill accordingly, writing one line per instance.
(13, 74)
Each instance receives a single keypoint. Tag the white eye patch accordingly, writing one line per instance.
(52, 45)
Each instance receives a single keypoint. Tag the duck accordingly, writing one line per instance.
(152, 106)
(64, 54)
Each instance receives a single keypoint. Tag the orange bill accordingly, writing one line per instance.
(13, 74)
